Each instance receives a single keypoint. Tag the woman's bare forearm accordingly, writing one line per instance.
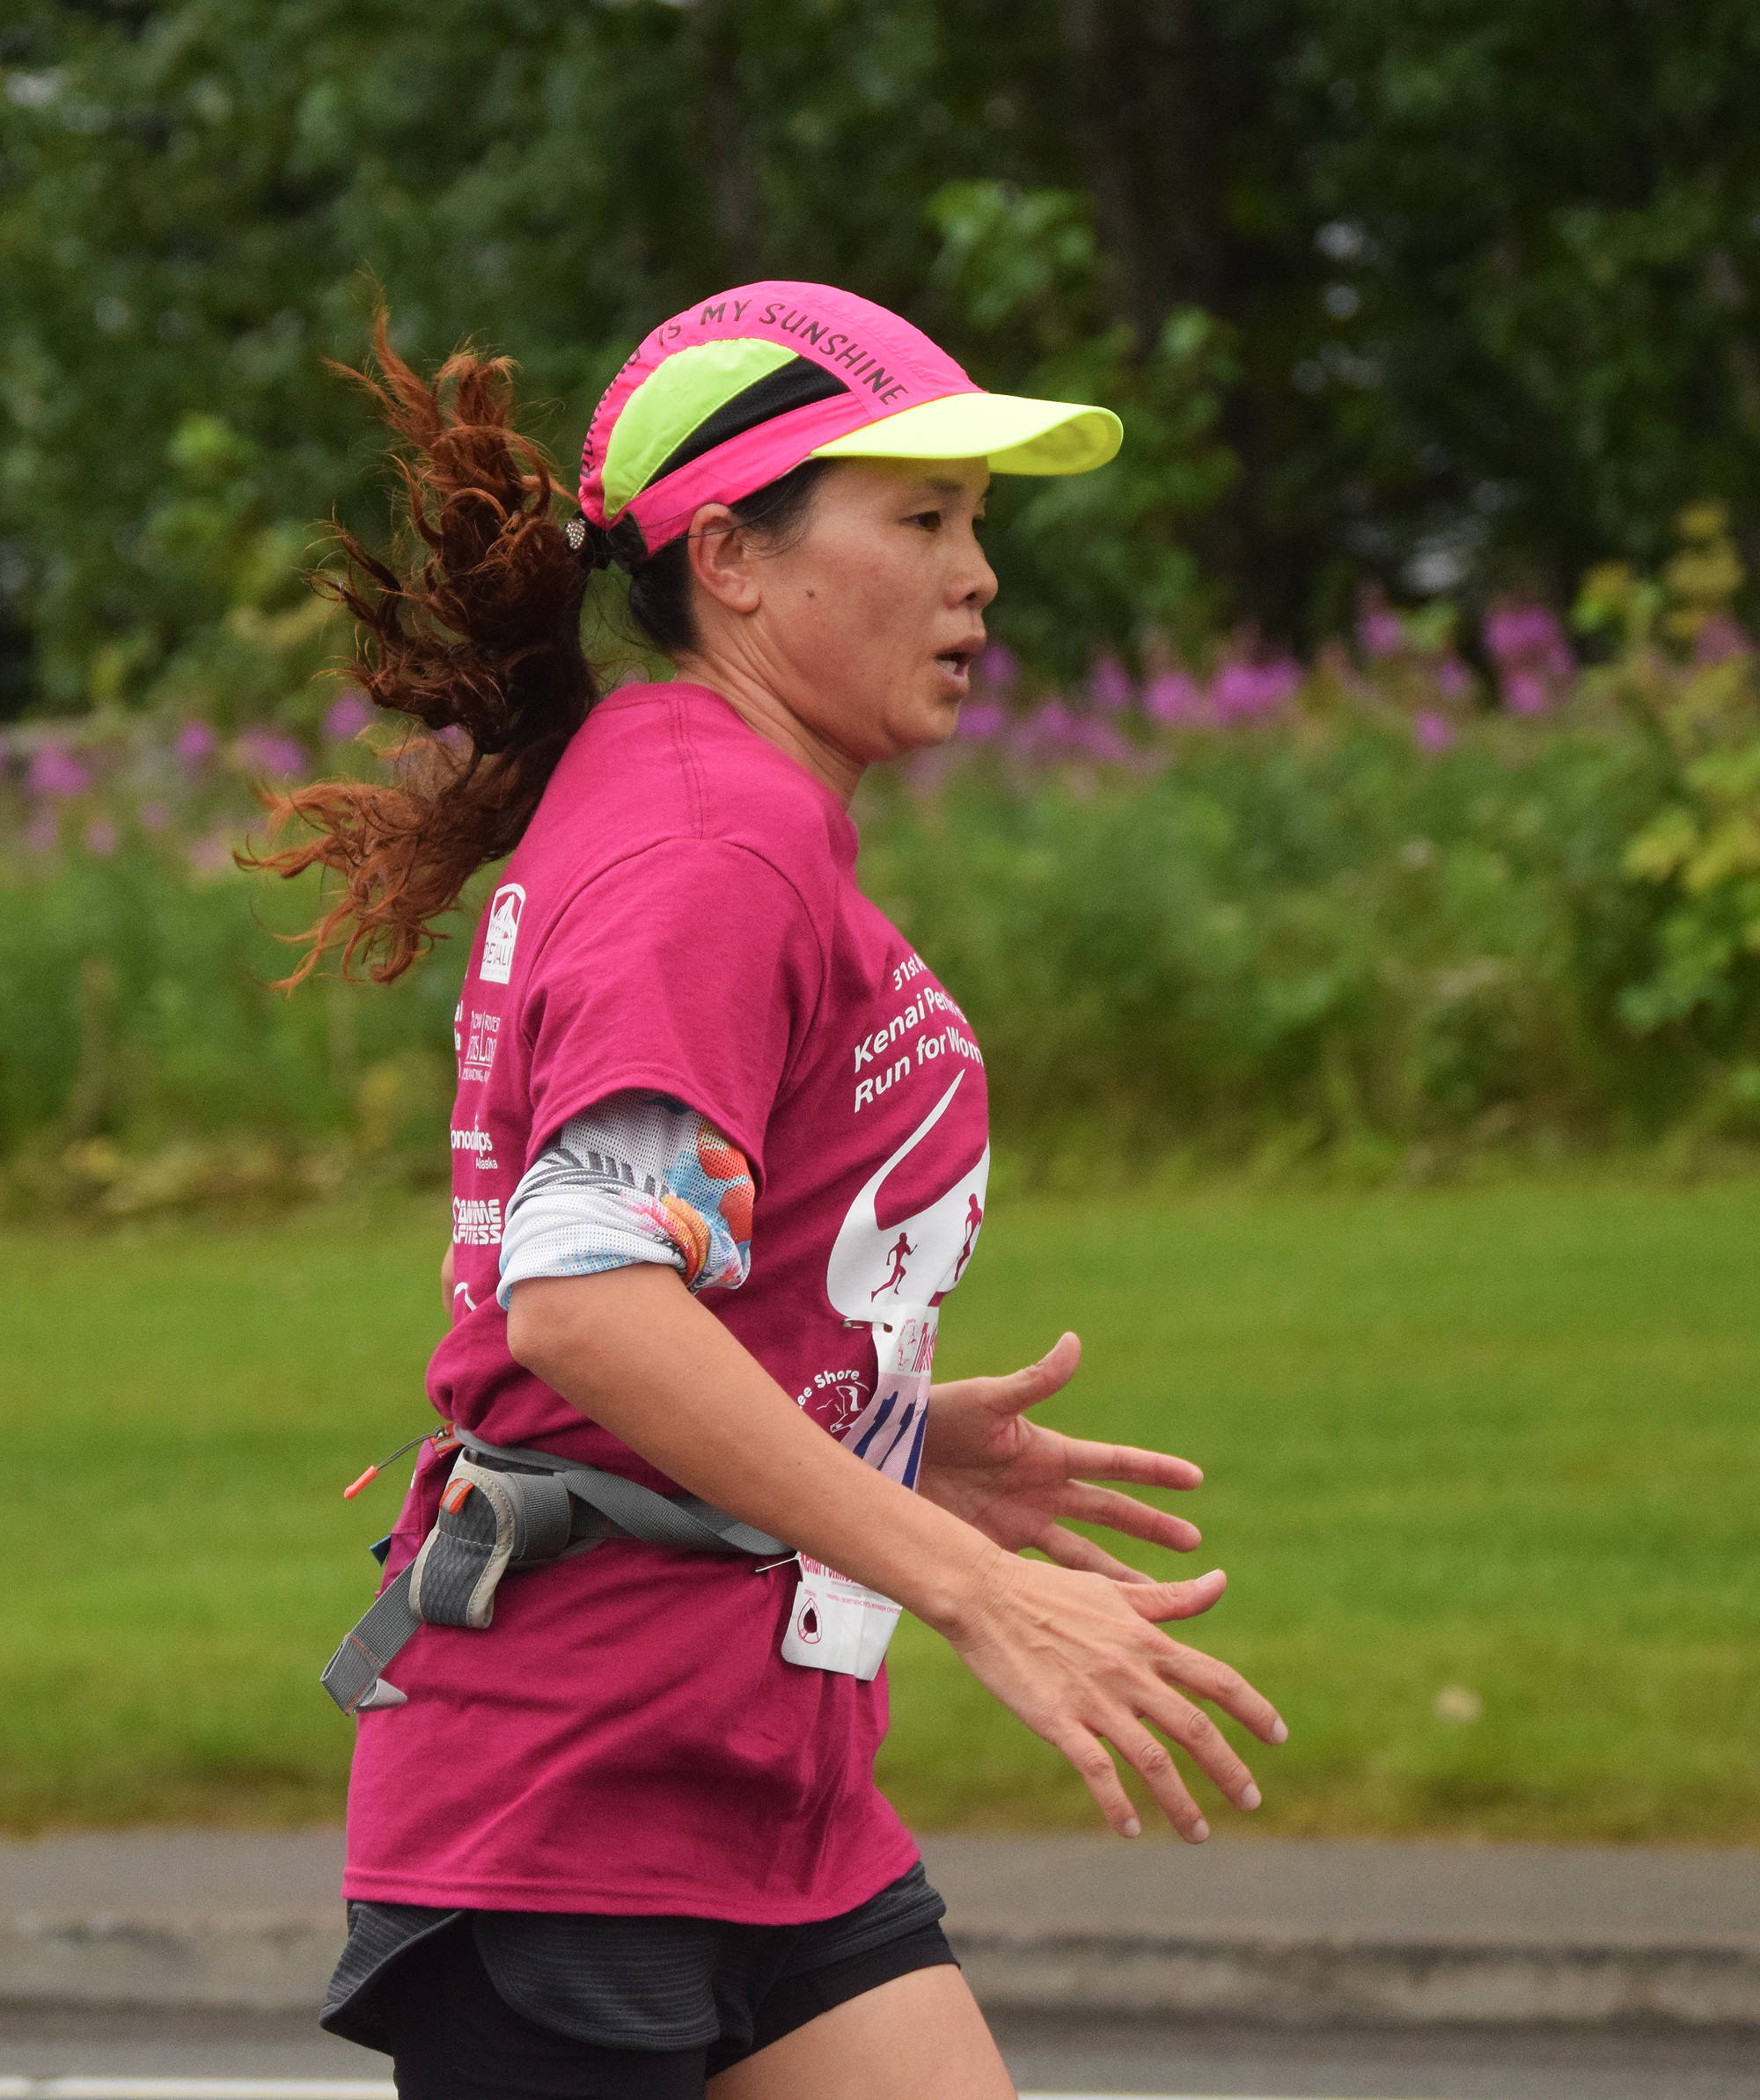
(633, 1351)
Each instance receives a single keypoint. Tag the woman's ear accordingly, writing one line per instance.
(724, 559)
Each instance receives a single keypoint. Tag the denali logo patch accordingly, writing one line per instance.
(503, 931)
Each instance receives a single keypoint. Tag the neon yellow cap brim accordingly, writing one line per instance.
(1015, 435)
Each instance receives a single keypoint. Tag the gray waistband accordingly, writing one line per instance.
(516, 1507)
(686, 1521)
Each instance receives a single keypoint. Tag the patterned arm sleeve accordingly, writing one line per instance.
(637, 1177)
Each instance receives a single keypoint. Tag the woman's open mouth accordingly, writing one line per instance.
(957, 665)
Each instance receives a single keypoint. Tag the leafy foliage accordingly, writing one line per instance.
(1478, 279)
(1701, 847)
(1262, 911)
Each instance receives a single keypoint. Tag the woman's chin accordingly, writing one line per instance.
(937, 719)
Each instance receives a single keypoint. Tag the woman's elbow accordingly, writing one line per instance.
(576, 1332)
(535, 1327)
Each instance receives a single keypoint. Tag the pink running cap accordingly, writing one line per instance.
(735, 392)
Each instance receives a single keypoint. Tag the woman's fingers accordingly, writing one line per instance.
(1099, 1774)
(1054, 1644)
(1125, 1514)
(1026, 1388)
(1195, 1671)
(1130, 1463)
(1054, 1369)
(1194, 1731)
(1150, 1758)
(1162, 1601)
(1070, 1549)
(1132, 1735)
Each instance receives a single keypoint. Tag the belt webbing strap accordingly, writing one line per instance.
(686, 1521)
(489, 1522)
(352, 1678)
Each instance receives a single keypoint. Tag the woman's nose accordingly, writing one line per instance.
(981, 585)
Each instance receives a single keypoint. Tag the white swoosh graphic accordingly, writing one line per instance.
(864, 1259)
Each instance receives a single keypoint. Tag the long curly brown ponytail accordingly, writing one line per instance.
(481, 636)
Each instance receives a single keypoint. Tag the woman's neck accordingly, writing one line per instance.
(761, 708)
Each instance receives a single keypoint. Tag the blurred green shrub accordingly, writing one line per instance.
(1238, 907)
(154, 1065)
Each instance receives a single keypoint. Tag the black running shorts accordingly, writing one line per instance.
(496, 2005)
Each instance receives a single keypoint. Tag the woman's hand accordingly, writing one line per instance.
(1079, 1659)
(1074, 1650)
(1078, 1655)
(1012, 1478)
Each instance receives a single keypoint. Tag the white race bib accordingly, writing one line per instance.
(835, 1623)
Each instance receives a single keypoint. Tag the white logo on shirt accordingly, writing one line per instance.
(480, 1047)
(476, 1220)
(479, 1142)
(920, 1256)
(503, 931)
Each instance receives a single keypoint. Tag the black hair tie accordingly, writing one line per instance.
(598, 547)
(589, 544)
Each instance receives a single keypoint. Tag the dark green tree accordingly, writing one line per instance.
(1479, 280)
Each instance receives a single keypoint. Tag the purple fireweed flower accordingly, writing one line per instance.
(1529, 634)
(270, 751)
(1109, 686)
(1719, 641)
(1098, 740)
(212, 856)
(1526, 692)
(925, 771)
(1243, 691)
(1451, 677)
(1532, 656)
(1172, 698)
(1282, 681)
(1512, 632)
(57, 775)
(43, 831)
(102, 838)
(349, 712)
(980, 721)
(1055, 733)
(999, 667)
(1379, 632)
(1045, 734)
(195, 743)
(153, 816)
(1235, 691)
(1432, 731)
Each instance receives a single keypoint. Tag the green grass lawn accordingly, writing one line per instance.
(1501, 1439)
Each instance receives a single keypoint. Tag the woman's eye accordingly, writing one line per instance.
(929, 520)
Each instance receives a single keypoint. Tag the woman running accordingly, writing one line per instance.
(719, 1154)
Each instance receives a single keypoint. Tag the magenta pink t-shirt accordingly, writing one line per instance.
(682, 916)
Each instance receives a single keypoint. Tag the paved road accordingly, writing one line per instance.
(1048, 2056)
(1469, 1894)
(131, 1934)
(1288, 1931)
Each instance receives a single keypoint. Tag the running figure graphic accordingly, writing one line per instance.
(897, 1254)
(974, 1218)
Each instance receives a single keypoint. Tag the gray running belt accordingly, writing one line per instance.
(512, 1507)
